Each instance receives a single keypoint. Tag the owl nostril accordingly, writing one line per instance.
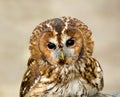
(60, 46)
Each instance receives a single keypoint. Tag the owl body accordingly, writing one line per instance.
(61, 62)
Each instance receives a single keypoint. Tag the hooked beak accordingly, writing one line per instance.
(62, 56)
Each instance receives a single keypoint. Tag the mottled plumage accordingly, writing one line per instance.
(61, 62)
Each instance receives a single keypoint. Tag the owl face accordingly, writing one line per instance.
(59, 41)
(61, 48)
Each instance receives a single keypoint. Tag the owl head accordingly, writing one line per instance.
(61, 41)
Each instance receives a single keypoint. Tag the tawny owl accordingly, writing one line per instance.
(61, 62)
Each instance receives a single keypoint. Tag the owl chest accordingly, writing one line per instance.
(69, 86)
(63, 84)
(73, 88)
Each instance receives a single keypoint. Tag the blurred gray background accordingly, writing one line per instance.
(18, 18)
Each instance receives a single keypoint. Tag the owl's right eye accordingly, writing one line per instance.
(51, 46)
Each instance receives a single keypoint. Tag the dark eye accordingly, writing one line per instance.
(70, 42)
(51, 46)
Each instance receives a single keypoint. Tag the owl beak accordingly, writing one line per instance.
(62, 56)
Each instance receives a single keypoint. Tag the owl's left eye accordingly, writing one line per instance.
(51, 46)
(70, 42)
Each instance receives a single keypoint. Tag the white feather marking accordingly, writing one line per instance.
(48, 25)
(44, 79)
(98, 67)
(82, 69)
(66, 26)
(50, 86)
(28, 73)
(75, 87)
(36, 80)
(53, 40)
(65, 38)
